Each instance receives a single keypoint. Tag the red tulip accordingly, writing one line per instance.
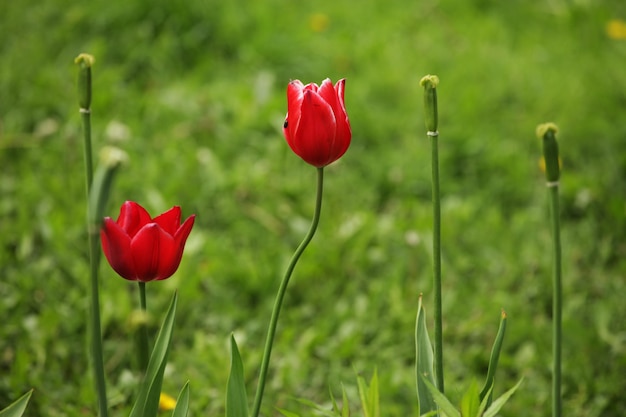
(317, 128)
(141, 248)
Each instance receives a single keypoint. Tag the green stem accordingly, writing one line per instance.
(142, 335)
(85, 61)
(94, 261)
(437, 262)
(87, 152)
(281, 294)
(557, 302)
(96, 330)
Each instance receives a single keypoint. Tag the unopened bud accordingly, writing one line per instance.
(430, 82)
(547, 133)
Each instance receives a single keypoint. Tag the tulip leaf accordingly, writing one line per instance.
(236, 397)
(147, 402)
(493, 361)
(444, 404)
(18, 407)
(423, 363)
(182, 402)
(497, 404)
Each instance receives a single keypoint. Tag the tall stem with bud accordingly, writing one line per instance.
(429, 83)
(547, 133)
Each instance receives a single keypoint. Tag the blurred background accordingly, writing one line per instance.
(194, 92)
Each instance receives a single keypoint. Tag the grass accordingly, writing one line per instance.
(196, 95)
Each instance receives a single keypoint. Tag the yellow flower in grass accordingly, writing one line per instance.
(616, 29)
(166, 403)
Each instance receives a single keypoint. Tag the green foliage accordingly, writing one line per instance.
(18, 407)
(182, 402)
(147, 402)
(194, 92)
(486, 392)
(236, 397)
(370, 396)
(471, 404)
(423, 363)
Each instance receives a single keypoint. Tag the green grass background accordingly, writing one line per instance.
(194, 92)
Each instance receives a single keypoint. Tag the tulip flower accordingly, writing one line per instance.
(141, 248)
(317, 128)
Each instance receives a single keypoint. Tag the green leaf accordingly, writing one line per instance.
(182, 402)
(493, 361)
(423, 363)
(370, 399)
(446, 406)
(18, 407)
(236, 398)
(345, 406)
(483, 403)
(147, 403)
(287, 413)
(500, 401)
(470, 402)
(321, 410)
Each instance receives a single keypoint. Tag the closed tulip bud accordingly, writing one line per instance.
(317, 128)
(85, 62)
(547, 133)
(140, 248)
(430, 82)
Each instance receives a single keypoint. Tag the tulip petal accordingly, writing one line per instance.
(133, 217)
(170, 220)
(344, 132)
(116, 247)
(334, 96)
(315, 131)
(179, 238)
(294, 103)
(153, 251)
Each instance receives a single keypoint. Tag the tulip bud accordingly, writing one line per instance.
(317, 128)
(547, 133)
(430, 82)
(85, 62)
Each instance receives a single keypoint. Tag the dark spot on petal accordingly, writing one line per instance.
(285, 125)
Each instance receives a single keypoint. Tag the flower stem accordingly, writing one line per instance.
(281, 294)
(142, 330)
(437, 261)
(84, 90)
(557, 301)
(430, 82)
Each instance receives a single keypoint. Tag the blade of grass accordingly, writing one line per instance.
(444, 404)
(236, 397)
(493, 361)
(497, 404)
(182, 402)
(423, 362)
(470, 402)
(17, 408)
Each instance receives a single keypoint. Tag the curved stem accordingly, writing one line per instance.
(281, 294)
(557, 302)
(437, 263)
(142, 335)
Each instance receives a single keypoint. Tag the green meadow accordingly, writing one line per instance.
(194, 93)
